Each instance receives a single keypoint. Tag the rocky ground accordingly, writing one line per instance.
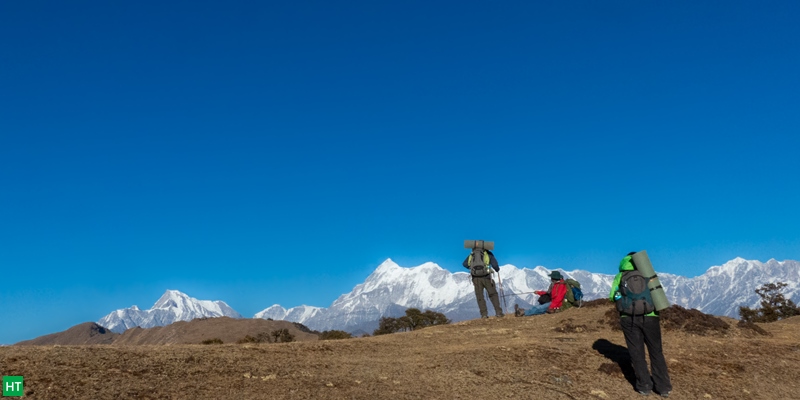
(576, 354)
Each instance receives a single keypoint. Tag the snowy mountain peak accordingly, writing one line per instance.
(171, 307)
(386, 267)
(274, 311)
(736, 262)
(171, 298)
(736, 266)
(391, 289)
(427, 267)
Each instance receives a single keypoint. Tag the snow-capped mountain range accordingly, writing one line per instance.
(173, 306)
(391, 289)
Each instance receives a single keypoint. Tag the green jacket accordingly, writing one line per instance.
(624, 265)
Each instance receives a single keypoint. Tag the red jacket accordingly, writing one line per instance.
(557, 292)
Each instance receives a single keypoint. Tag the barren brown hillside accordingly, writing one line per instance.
(228, 330)
(572, 355)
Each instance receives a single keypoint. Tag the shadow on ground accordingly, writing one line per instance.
(620, 357)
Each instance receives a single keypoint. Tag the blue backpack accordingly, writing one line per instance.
(574, 293)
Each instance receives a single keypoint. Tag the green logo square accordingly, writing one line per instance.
(12, 386)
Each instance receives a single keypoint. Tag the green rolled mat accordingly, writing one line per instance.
(642, 263)
(481, 244)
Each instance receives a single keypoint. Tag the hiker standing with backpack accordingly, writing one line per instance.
(478, 263)
(641, 326)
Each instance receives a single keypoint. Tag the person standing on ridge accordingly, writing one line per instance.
(478, 263)
(641, 326)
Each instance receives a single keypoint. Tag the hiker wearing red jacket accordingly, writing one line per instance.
(557, 291)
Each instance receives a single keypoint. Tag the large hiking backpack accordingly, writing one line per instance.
(635, 295)
(574, 293)
(478, 262)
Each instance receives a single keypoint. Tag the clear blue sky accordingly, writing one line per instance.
(276, 152)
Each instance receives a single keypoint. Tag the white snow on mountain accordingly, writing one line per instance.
(173, 306)
(276, 312)
(391, 289)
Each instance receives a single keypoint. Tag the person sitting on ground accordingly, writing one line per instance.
(556, 291)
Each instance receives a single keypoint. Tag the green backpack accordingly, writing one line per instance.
(574, 294)
(479, 263)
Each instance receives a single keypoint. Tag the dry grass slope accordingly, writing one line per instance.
(571, 355)
(228, 330)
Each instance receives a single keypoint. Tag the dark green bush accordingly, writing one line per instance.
(774, 305)
(334, 335)
(413, 320)
(282, 336)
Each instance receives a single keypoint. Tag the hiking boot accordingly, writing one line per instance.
(484, 316)
(645, 392)
(665, 394)
(501, 315)
(518, 312)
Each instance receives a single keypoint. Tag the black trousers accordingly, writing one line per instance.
(640, 331)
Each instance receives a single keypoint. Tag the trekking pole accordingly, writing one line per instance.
(502, 293)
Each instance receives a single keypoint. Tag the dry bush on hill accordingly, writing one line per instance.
(750, 329)
(677, 318)
(413, 320)
(334, 335)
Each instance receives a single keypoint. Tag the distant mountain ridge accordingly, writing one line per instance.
(173, 306)
(391, 289)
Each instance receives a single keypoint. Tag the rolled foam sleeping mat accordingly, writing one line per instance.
(642, 263)
(469, 244)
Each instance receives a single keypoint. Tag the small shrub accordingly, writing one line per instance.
(212, 341)
(755, 329)
(262, 337)
(334, 335)
(282, 336)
